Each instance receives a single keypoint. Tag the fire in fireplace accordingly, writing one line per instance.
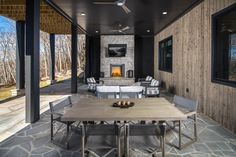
(117, 70)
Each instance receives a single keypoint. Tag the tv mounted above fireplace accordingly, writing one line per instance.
(116, 50)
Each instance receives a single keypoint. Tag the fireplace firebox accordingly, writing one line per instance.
(117, 70)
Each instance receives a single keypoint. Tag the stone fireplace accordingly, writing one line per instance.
(117, 70)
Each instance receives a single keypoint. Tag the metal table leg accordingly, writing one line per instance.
(126, 140)
(118, 141)
(82, 140)
(162, 126)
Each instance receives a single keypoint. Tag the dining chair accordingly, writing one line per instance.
(189, 108)
(57, 109)
(140, 130)
(113, 130)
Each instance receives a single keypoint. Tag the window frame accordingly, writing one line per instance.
(214, 79)
(159, 60)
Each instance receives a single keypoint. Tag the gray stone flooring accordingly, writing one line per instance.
(34, 140)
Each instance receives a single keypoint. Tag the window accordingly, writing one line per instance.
(224, 47)
(165, 54)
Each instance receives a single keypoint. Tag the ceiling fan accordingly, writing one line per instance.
(120, 3)
(225, 29)
(122, 30)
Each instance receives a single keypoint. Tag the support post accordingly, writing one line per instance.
(52, 59)
(32, 60)
(20, 59)
(20, 55)
(74, 51)
(87, 61)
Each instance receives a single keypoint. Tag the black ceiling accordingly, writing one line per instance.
(146, 14)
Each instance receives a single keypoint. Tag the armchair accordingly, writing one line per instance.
(152, 89)
(92, 84)
(145, 81)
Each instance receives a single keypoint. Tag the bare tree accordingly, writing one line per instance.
(7, 56)
(62, 55)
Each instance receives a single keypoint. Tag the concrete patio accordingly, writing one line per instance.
(21, 139)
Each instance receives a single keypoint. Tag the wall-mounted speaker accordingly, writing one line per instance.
(130, 73)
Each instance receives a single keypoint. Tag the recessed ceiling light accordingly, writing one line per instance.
(148, 30)
(164, 12)
(82, 14)
(120, 3)
(96, 31)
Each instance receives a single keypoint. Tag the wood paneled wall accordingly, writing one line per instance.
(192, 63)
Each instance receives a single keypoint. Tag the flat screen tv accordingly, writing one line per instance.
(116, 50)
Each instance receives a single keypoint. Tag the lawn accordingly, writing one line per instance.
(5, 92)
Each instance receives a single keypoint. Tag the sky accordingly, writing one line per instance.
(6, 24)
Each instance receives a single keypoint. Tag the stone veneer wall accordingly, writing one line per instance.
(128, 60)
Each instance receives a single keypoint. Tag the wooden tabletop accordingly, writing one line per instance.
(93, 109)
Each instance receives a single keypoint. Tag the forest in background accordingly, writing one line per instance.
(62, 55)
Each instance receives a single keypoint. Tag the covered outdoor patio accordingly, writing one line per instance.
(159, 80)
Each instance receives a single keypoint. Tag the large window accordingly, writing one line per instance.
(165, 54)
(224, 47)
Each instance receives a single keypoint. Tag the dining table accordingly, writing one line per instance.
(145, 109)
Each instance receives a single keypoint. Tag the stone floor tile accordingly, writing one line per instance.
(38, 129)
(229, 153)
(209, 136)
(208, 120)
(35, 155)
(233, 146)
(201, 148)
(53, 153)
(66, 154)
(217, 153)
(41, 150)
(26, 146)
(17, 152)
(16, 141)
(222, 132)
(213, 146)
(223, 146)
(42, 140)
(3, 151)
(76, 154)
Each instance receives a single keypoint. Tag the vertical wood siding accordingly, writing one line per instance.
(192, 63)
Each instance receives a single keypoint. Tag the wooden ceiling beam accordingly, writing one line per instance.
(16, 2)
(50, 20)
